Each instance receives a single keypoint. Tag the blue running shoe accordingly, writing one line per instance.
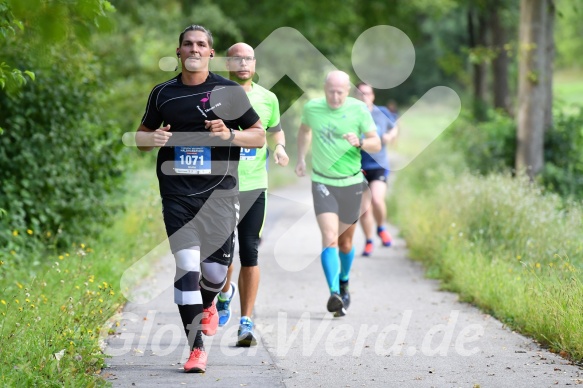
(245, 335)
(224, 307)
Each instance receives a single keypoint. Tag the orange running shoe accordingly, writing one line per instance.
(386, 237)
(196, 362)
(210, 320)
(368, 248)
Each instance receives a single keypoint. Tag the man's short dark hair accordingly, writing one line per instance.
(196, 27)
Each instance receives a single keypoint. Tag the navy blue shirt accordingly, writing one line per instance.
(379, 159)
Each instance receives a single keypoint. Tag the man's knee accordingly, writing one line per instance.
(345, 245)
(214, 275)
(329, 235)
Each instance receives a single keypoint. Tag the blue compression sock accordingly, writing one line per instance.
(346, 260)
(331, 266)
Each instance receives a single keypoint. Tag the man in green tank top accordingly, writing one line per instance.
(252, 188)
(337, 127)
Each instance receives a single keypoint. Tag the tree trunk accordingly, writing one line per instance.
(500, 62)
(479, 79)
(550, 54)
(531, 86)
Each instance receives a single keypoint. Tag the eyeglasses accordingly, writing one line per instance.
(240, 60)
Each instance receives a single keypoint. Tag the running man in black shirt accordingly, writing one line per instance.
(193, 118)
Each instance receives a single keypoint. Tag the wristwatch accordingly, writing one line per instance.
(360, 143)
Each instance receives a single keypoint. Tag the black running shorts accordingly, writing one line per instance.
(204, 222)
(376, 174)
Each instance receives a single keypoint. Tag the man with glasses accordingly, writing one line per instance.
(252, 196)
(192, 118)
(376, 170)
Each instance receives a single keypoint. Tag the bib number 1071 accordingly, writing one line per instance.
(192, 160)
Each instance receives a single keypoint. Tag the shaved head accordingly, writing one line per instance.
(241, 64)
(238, 47)
(338, 77)
(336, 87)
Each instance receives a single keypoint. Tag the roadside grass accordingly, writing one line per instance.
(52, 311)
(568, 87)
(500, 242)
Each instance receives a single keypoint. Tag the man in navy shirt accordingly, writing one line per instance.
(376, 168)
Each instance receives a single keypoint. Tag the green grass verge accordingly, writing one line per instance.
(500, 242)
(568, 88)
(53, 305)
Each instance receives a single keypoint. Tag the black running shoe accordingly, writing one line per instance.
(344, 294)
(335, 305)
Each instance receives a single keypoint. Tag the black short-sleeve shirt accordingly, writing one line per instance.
(192, 163)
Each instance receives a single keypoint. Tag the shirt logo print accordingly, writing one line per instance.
(205, 99)
(327, 134)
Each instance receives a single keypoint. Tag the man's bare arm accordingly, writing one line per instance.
(147, 139)
(304, 141)
(252, 137)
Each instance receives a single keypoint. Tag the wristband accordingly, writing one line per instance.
(232, 137)
(360, 142)
(279, 144)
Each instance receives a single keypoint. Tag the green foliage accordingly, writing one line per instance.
(7, 20)
(568, 32)
(333, 31)
(563, 169)
(9, 26)
(40, 23)
(49, 22)
(58, 158)
(59, 152)
(487, 146)
(12, 79)
(490, 146)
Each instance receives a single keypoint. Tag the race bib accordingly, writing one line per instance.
(192, 160)
(248, 153)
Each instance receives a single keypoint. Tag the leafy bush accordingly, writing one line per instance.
(490, 146)
(59, 155)
(487, 146)
(563, 170)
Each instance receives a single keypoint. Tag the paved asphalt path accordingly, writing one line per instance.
(400, 331)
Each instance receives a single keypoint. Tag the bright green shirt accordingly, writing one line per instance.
(332, 155)
(253, 162)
